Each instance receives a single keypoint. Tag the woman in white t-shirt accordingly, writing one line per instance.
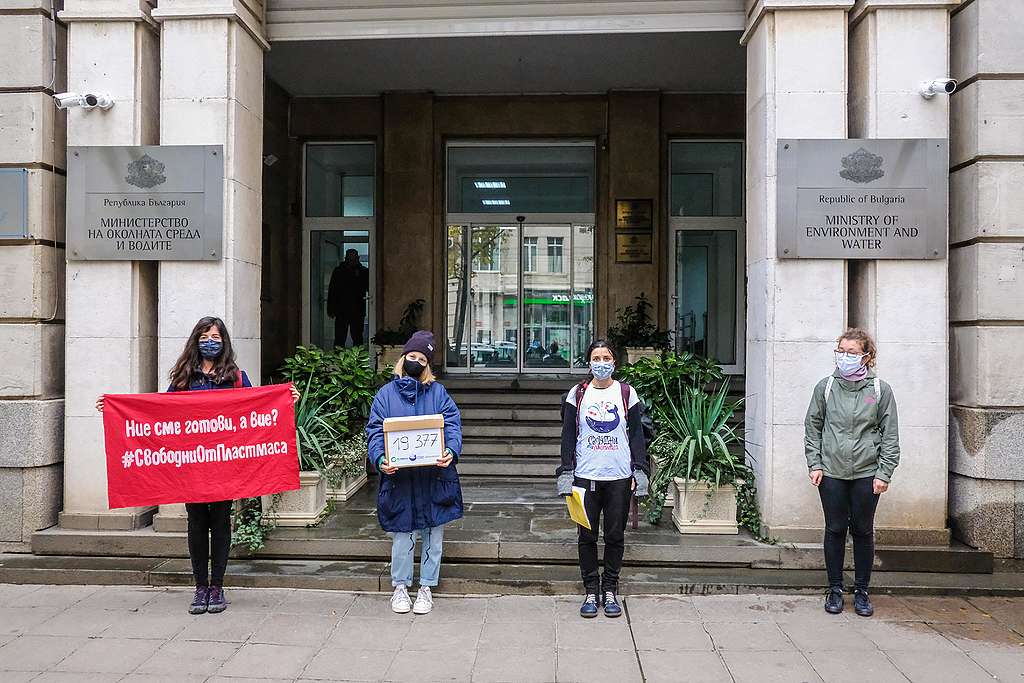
(603, 452)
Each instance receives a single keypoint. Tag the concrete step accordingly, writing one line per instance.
(483, 579)
(478, 399)
(551, 448)
(512, 430)
(549, 414)
(489, 466)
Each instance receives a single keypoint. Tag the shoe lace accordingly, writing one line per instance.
(591, 598)
(424, 593)
(400, 593)
(200, 594)
(610, 597)
(215, 593)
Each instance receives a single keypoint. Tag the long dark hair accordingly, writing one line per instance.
(190, 362)
(601, 344)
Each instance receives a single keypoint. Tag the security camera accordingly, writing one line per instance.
(940, 86)
(67, 100)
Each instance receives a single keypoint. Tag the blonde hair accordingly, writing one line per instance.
(426, 378)
(867, 344)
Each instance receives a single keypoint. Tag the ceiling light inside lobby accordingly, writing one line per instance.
(489, 184)
(495, 202)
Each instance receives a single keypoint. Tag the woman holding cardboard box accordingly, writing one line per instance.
(419, 486)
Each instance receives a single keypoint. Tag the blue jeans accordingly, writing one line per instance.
(402, 547)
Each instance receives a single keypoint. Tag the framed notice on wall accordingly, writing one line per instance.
(145, 203)
(632, 247)
(863, 199)
(634, 214)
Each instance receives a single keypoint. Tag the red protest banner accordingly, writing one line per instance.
(199, 446)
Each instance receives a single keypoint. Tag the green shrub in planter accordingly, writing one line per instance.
(635, 328)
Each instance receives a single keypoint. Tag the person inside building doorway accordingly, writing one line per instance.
(346, 299)
(416, 501)
(208, 362)
(603, 453)
(852, 445)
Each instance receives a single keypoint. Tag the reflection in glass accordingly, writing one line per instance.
(583, 293)
(706, 178)
(349, 304)
(494, 291)
(513, 178)
(706, 293)
(547, 291)
(339, 179)
(458, 297)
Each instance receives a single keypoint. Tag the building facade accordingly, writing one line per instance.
(526, 170)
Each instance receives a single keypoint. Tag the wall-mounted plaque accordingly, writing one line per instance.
(863, 199)
(632, 247)
(13, 203)
(156, 203)
(634, 214)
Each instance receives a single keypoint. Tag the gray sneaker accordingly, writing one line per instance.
(200, 601)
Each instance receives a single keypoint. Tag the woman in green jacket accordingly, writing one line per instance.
(852, 445)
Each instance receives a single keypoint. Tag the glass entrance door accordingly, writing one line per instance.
(339, 286)
(520, 297)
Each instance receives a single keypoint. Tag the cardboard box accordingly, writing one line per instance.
(415, 441)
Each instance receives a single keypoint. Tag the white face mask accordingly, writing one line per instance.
(848, 363)
(601, 370)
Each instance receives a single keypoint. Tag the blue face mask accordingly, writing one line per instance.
(602, 369)
(848, 363)
(210, 348)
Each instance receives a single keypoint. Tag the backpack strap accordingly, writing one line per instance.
(238, 380)
(581, 389)
(625, 389)
(878, 390)
(828, 387)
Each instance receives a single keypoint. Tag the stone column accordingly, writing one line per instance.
(987, 277)
(111, 325)
(796, 88)
(903, 303)
(31, 273)
(211, 93)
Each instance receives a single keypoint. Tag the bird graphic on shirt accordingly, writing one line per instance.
(603, 417)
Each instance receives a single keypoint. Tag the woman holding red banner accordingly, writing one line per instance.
(416, 501)
(208, 362)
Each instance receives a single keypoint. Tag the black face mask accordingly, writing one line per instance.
(413, 368)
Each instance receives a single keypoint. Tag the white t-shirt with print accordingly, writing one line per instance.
(602, 441)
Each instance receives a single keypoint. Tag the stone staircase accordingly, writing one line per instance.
(511, 427)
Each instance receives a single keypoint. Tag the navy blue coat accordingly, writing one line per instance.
(416, 497)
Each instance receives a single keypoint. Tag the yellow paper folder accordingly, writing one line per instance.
(576, 509)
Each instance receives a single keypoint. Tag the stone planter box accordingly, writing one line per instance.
(347, 488)
(302, 507)
(635, 353)
(387, 356)
(693, 513)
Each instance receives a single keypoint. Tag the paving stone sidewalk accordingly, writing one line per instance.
(91, 633)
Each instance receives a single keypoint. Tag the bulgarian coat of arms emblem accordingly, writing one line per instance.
(145, 172)
(862, 166)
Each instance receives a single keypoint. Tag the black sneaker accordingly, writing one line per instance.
(199, 600)
(862, 604)
(588, 610)
(217, 603)
(834, 600)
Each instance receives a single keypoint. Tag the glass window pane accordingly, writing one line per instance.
(706, 293)
(583, 293)
(495, 297)
(458, 298)
(513, 178)
(547, 301)
(339, 289)
(706, 179)
(339, 180)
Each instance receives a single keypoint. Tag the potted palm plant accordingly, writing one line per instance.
(700, 462)
(317, 439)
(347, 473)
(389, 340)
(636, 333)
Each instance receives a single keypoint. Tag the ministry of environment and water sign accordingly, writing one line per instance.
(148, 203)
(863, 199)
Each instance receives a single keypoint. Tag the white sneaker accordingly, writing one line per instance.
(400, 602)
(424, 601)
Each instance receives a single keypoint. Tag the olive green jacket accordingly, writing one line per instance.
(855, 435)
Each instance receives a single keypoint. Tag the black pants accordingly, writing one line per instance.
(849, 504)
(346, 322)
(209, 536)
(610, 499)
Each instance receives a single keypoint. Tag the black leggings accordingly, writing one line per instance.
(209, 536)
(849, 504)
(610, 498)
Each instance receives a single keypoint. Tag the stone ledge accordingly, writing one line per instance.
(31, 432)
(894, 536)
(107, 521)
(984, 443)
